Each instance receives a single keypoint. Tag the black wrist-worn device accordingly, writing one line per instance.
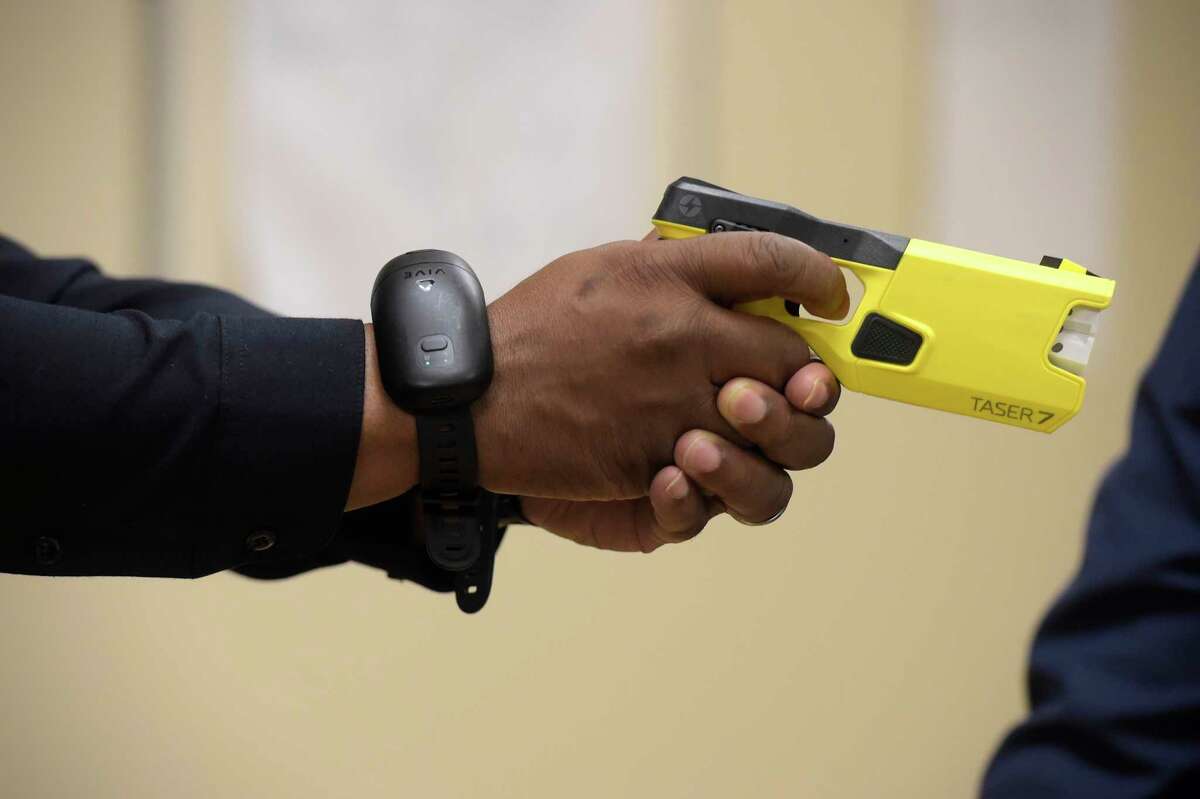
(435, 359)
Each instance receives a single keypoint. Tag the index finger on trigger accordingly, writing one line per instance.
(742, 266)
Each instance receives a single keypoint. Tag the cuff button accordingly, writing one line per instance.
(47, 551)
(260, 541)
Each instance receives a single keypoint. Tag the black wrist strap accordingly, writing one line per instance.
(446, 443)
(458, 517)
(473, 586)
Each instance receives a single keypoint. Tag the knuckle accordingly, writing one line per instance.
(660, 338)
(687, 260)
(768, 253)
(637, 260)
(618, 256)
(647, 268)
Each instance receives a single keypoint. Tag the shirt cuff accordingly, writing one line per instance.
(290, 416)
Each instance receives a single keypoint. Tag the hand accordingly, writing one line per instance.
(607, 356)
(711, 474)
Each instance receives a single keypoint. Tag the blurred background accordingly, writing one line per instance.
(871, 643)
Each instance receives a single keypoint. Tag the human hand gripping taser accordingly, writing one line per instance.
(934, 325)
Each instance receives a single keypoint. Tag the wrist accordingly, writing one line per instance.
(387, 461)
(497, 451)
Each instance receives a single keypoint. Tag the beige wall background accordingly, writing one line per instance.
(872, 643)
(74, 137)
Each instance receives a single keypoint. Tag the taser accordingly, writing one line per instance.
(929, 324)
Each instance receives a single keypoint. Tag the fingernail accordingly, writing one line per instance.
(702, 457)
(818, 395)
(677, 489)
(747, 406)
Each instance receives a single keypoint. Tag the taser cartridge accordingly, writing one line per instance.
(929, 324)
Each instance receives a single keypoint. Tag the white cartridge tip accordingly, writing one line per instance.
(1071, 350)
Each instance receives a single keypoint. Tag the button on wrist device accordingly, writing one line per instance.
(435, 359)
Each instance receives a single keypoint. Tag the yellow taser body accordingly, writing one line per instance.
(938, 326)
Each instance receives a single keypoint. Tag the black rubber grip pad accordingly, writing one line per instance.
(882, 339)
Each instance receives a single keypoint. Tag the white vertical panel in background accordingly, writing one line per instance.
(508, 132)
(1023, 130)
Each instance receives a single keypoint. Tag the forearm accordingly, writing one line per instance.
(178, 454)
(167, 448)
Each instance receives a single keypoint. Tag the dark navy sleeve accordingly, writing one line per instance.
(1114, 677)
(149, 428)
